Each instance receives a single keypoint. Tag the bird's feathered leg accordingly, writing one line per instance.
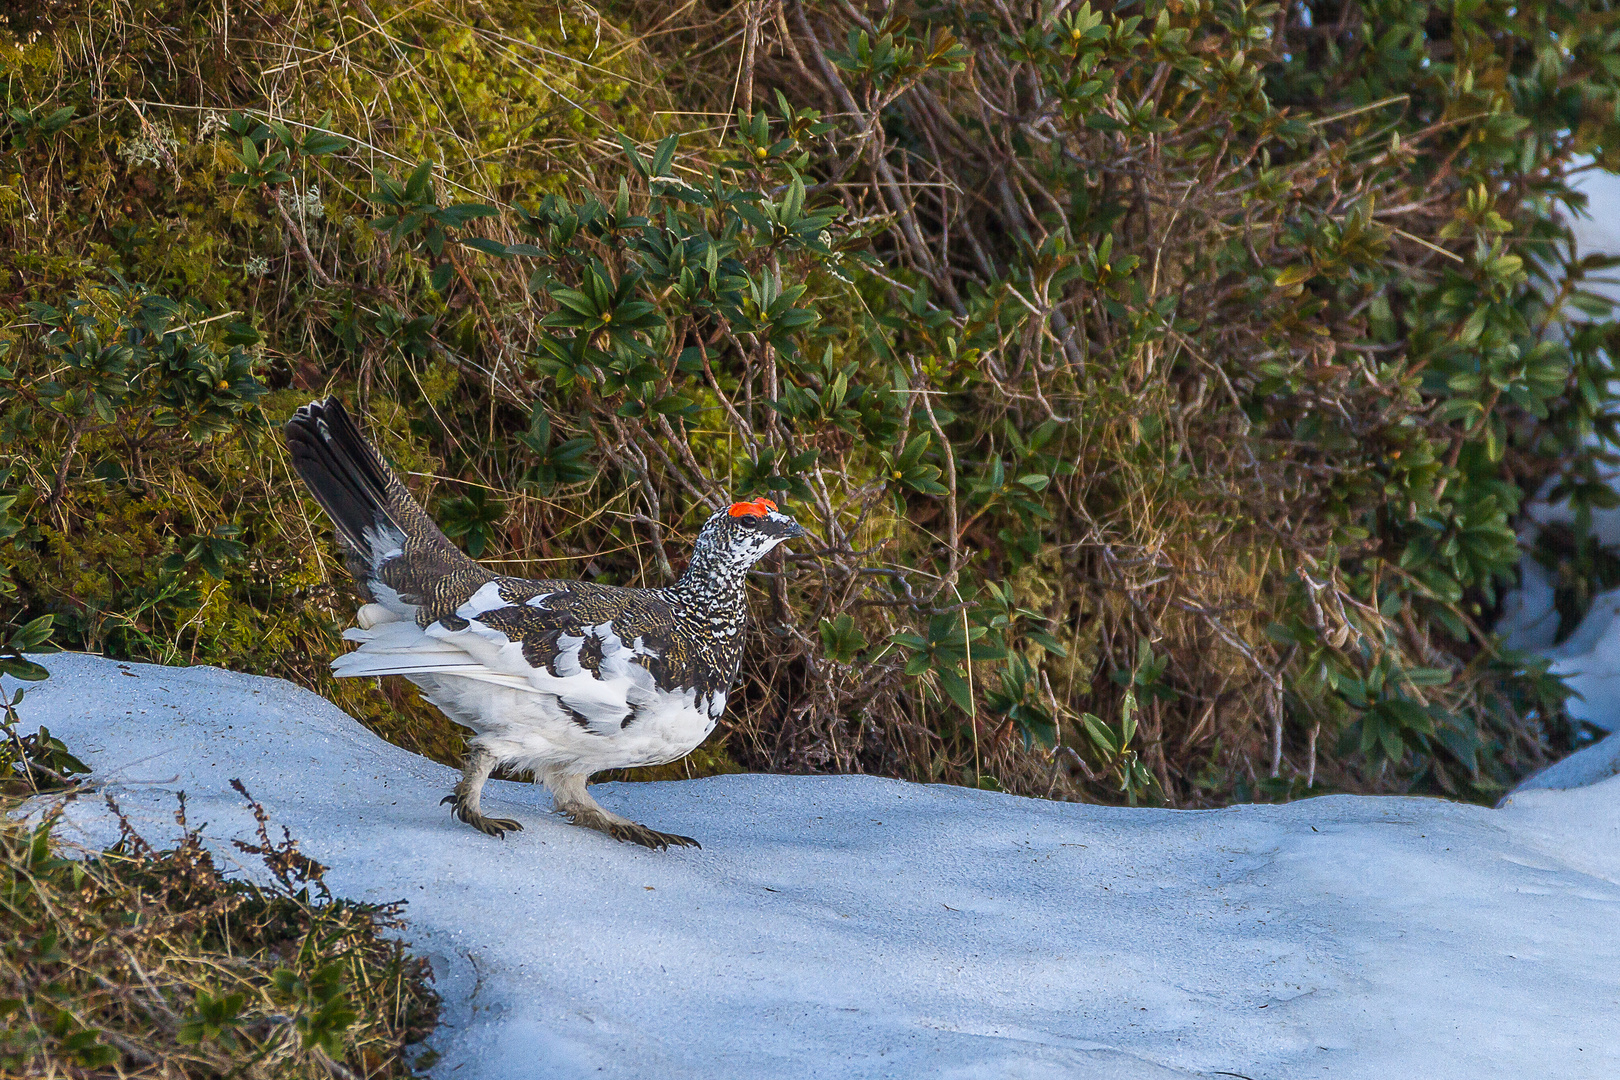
(569, 792)
(464, 803)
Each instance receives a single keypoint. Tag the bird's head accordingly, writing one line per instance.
(743, 533)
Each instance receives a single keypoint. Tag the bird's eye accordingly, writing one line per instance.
(748, 522)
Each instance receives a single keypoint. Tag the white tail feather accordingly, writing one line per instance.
(401, 648)
(397, 636)
(371, 615)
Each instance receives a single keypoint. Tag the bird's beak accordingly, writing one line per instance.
(791, 530)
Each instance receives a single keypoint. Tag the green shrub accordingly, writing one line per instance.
(141, 960)
(1160, 383)
(1248, 325)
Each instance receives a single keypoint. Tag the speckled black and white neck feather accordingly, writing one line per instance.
(711, 595)
(565, 678)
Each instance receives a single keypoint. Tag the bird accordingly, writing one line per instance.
(563, 678)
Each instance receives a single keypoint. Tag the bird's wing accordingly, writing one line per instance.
(542, 637)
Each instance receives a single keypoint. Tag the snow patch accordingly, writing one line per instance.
(854, 927)
(1593, 765)
(1589, 658)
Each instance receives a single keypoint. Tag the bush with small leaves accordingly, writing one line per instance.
(1239, 330)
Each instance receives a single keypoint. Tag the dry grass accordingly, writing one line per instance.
(133, 962)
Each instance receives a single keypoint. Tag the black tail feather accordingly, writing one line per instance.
(343, 473)
(396, 553)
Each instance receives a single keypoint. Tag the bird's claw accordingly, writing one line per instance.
(650, 838)
(496, 827)
(628, 831)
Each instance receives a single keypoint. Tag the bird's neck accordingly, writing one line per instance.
(714, 588)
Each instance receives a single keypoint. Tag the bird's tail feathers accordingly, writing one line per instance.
(401, 648)
(376, 517)
(346, 477)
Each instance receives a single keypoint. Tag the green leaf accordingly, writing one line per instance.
(664, 156)
(1293, 275)
(955, 687)
(840, 639)
(321, 144)
(458, 215)
(637, 162)
(1100, 734)
(1035, 481)
(19, 668)
(34, 633)
(57, 120)
(417, 185)
(488, 247)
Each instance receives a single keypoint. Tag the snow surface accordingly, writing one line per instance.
(1598, 229)
(859, 927)
(1589, 659)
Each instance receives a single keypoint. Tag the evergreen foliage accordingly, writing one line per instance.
(1160, 383)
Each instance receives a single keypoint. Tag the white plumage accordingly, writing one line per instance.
(480, 678)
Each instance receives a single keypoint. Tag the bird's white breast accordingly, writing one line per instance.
(617, 717)
(534, 731)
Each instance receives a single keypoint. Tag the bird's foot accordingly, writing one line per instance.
(496, 827)
(627, 831)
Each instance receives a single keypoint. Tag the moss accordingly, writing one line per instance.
(143, 192)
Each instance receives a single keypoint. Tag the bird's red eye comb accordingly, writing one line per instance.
(757, 508)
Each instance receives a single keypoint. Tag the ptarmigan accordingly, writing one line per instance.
(562, 677)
